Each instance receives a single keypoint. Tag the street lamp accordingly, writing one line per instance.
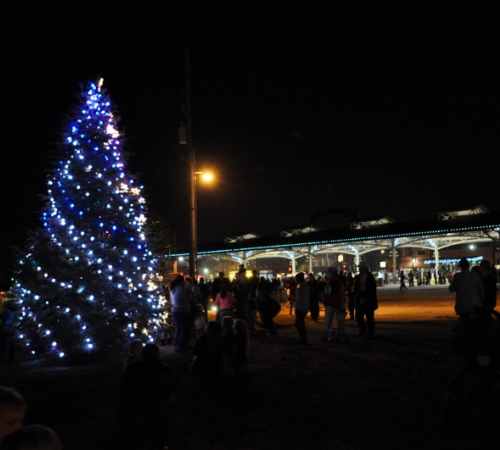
(186, 138)
(193, 248)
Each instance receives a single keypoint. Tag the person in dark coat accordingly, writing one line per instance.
(208, 355)
(314, 293)
(217, 282)
(268, 308)
(205, 292)
(145, 406)
(402, 279)
(488, 279)
(365, 292)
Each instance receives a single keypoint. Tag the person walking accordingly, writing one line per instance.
(402, 278)
(411, 278)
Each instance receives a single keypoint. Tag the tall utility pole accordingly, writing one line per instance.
(193, 244)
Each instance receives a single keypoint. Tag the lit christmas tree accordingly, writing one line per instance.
(85, 281)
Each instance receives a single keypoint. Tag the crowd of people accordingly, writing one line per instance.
(415, 277)
(342, 294)
(220, 348)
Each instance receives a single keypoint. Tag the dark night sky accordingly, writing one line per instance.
(390, 108)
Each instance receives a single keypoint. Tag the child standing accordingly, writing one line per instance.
(135, 353)
(225, 301)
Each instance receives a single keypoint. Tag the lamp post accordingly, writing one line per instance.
(193, 249)
(193, 237)
(185, 137)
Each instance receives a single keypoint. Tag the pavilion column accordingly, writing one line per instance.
(436, 259)
(294, 265)
(394, 272)
(310, 262)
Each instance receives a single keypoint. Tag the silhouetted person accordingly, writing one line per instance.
(410, 279)
(268, 308)
(205, 293)
(217, 282)
(488, 279)
(402, 279)
(301, 307)
(468, 290)
(145, 406)
(314, 293)
(208, 355)
(333, 298)
(32, 437)
(365, 291)
(12, 410)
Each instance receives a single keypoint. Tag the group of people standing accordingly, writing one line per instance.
(146, 408)
(423, 277)
(222, 348)
(241, 299)
(340, 293)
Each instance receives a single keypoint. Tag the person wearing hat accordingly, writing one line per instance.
(365, 298)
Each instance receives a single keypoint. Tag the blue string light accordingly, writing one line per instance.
(93, 238)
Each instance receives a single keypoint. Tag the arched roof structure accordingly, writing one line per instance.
(449, 228)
